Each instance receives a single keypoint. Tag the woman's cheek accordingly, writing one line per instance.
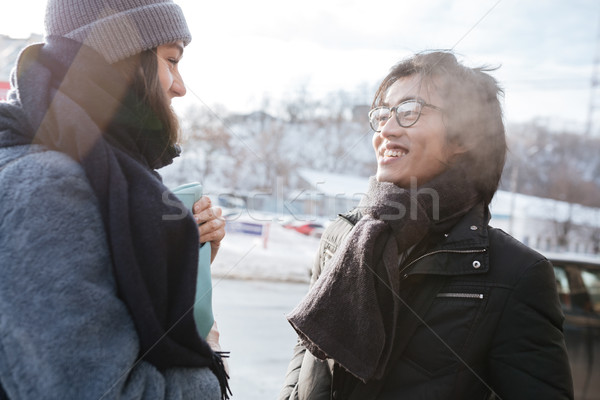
(166, 78)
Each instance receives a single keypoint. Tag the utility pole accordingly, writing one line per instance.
(594, 109)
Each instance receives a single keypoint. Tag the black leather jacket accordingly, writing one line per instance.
(493, 327)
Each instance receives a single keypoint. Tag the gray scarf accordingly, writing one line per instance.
(350, 314)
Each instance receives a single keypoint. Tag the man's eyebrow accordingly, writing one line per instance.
(402, 100)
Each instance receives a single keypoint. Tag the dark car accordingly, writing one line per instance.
(578, 282)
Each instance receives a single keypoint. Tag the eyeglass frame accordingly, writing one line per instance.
(394, 109)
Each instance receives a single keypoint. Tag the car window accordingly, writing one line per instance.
(578, 288)
(591, 280)
(562, 286)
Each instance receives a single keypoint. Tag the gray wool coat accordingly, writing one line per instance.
(64, 332)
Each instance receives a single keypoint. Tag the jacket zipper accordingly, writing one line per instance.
(461, 295)
(437, 252)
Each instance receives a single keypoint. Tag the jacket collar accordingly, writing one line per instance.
(463, 250)
(470, 231)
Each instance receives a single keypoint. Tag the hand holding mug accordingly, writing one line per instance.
(211, 225)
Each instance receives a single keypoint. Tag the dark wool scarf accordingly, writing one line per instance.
(69, 99)
(350, 314)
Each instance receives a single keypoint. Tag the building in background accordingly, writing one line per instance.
(544, 224)
(9, 50)
(325, 195)
(547, 225)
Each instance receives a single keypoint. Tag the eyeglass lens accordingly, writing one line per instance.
(407, 114)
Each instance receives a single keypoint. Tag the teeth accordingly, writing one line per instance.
(393, 153)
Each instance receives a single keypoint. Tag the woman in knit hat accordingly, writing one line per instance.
(96, 284)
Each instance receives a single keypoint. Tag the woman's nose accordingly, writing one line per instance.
(178, 87)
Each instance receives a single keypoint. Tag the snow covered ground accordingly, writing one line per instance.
(251, 319)
(283, 255)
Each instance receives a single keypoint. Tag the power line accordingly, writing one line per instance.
(594, 87)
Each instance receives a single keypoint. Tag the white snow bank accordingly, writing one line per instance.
(288, 255)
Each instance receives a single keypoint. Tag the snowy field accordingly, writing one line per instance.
(254, 287)
(251, 319)
(281, 255)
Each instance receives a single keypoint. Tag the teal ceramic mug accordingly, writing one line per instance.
(188, 194)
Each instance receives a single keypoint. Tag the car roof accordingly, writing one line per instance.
(574, 258)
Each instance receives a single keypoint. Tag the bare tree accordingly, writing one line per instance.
(299, 106)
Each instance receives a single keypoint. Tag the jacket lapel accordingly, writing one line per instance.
(462, 251)
(410, 317)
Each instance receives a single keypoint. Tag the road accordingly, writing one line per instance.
(251, 319)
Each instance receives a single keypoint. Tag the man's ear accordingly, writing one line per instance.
(455, 149)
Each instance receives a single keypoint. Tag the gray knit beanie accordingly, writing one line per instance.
(117, 29)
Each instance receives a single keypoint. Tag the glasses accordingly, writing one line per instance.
(407, 114)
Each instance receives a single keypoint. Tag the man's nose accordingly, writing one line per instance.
(390, 128)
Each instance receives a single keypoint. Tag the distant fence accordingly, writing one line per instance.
(250, 228)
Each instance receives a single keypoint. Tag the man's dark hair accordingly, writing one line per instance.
(472, 113)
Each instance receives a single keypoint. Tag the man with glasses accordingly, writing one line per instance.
(413, 295)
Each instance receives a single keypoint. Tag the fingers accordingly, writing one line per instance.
(202, 204)
(212, 230)
(214, 249)
(213, 341)
(213, 337)
(211, 225)
(208, 214)
(213, 334)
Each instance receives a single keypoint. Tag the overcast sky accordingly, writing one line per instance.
(243, 51)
